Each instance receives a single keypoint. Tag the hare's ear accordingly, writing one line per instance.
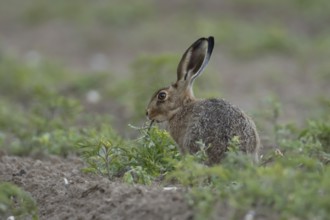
(195, 59)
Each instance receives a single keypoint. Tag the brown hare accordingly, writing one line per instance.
(214, 122)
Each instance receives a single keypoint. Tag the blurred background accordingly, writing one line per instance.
(83, 63)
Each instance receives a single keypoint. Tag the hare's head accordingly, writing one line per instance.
(167, 101)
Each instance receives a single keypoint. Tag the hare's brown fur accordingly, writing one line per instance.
(214, 122)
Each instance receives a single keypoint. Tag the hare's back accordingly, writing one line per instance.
(216, 122)
(218, 112)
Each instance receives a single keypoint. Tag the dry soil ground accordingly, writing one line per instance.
(88, 196)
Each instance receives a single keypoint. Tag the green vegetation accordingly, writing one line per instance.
(44, 109)
(140, 161)
(37, 116)
(16, 202)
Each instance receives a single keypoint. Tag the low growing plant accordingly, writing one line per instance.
(140, 161)
(15, 202)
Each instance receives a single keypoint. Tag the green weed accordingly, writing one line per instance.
(15, 202)
(140, 161)
(45, 127)
(36, 114)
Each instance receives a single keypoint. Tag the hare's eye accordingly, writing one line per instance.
(162, 96)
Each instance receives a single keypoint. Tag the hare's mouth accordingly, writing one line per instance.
(154, 120)
(150, 125)
(159, 121)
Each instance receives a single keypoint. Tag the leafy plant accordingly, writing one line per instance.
(44, 127)
(15, 202)
(141, 161)
(37, 116)
(103, 152)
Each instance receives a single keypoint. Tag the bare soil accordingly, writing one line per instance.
(88, 196)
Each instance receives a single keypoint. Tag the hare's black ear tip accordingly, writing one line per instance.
(210, 40)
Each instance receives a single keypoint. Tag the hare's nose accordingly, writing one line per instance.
(147, 112)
